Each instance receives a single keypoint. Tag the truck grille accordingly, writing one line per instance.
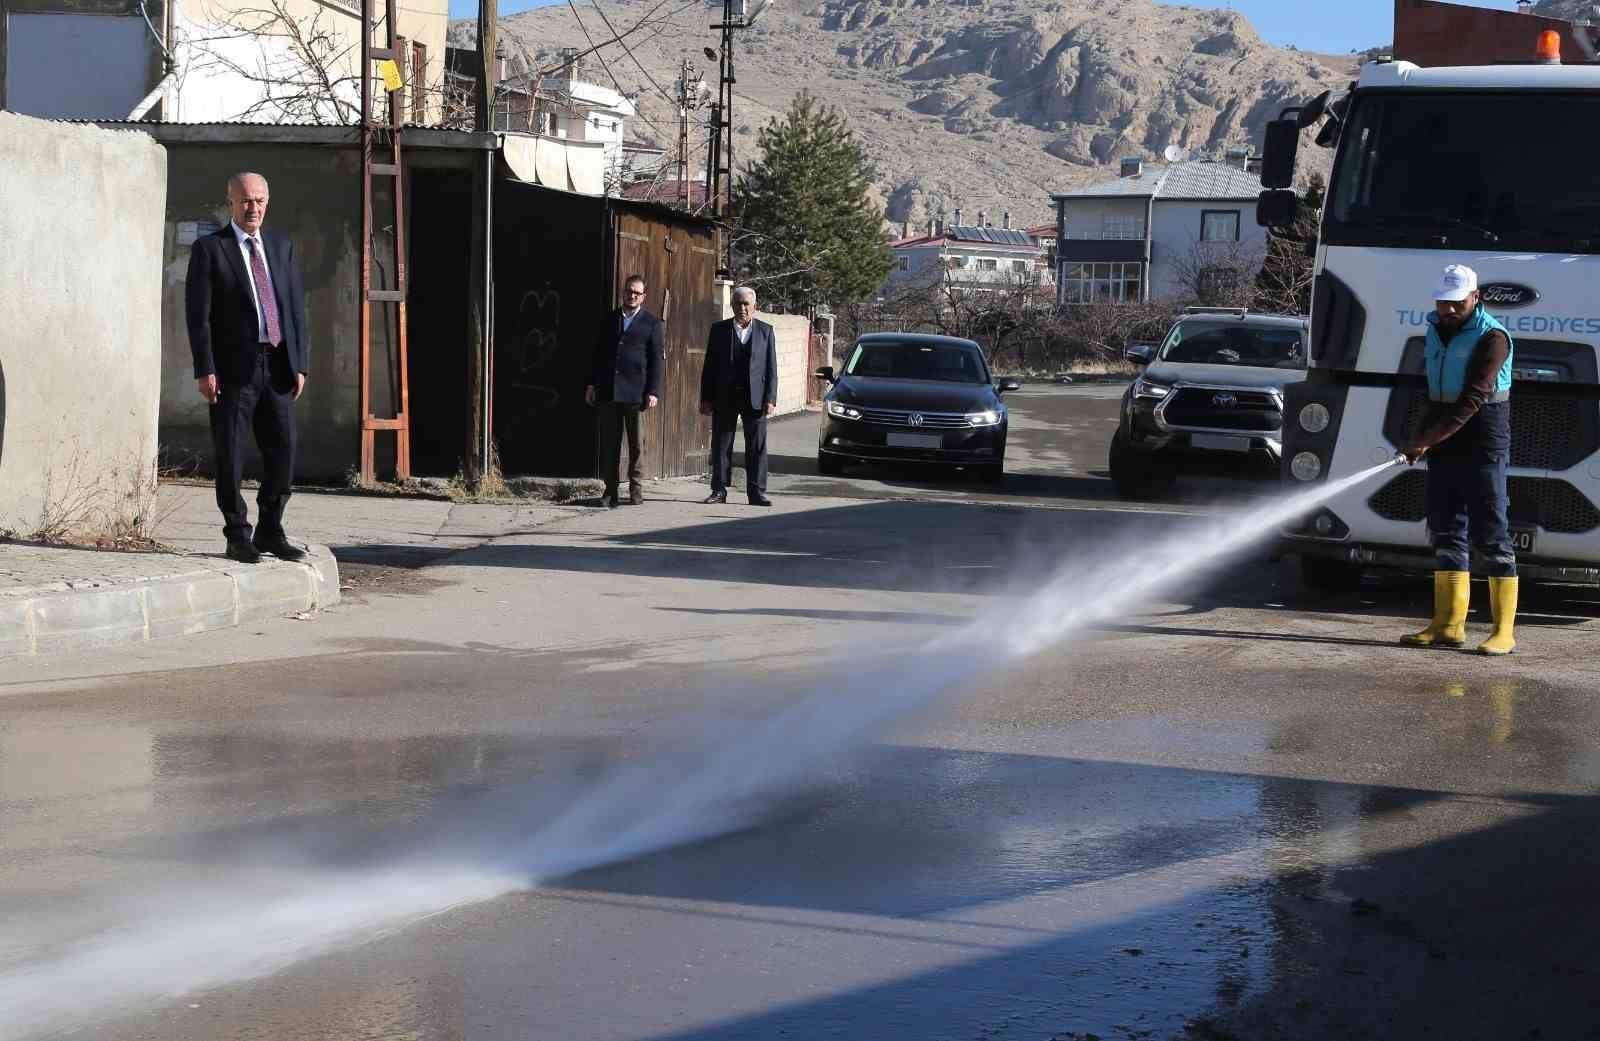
(1552, 504)
(1548, 431)
(1252, 411)
(895, 417)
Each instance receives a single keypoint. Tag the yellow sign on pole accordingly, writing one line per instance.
(391, 75)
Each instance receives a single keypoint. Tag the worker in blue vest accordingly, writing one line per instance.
(1466, 436)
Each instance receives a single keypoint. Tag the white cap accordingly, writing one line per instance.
(1456, 283)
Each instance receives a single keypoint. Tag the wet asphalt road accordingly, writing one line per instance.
(1237, 812)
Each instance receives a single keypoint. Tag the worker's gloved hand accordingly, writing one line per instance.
(1413, 453)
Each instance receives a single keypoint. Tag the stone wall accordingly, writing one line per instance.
(81, 222)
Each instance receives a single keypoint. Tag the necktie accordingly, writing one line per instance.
(269, 303)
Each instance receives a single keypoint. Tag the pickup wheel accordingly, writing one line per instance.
(1139, 475)
(1326, 575)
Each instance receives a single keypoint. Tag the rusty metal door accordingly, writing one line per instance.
(678, 263)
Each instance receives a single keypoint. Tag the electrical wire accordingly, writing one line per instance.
(659, 89)
(594, 49)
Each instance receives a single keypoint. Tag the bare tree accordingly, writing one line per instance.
(1218, 274)
(305, 70)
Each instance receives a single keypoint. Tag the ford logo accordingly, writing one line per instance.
(1225, 400)
(1508, 294)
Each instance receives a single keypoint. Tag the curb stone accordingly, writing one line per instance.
(53, 620)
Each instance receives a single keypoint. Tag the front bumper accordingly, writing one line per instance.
(1413, 558)
(857, 439)
(1150, 427)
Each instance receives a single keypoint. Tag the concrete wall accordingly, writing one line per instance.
(80, 346)
(1175, 233)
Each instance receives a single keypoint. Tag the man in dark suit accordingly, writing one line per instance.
(740, 383)
(247, 330)
(628, 356)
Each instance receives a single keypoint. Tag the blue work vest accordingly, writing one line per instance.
(1447, 365)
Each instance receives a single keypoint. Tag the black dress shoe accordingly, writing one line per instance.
(715, 497)
(612, 502)
(636, 496)
(243, 552)
(760, 500)
(281, 548)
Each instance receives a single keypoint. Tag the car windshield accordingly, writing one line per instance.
(1232, 343)
(918, 360)
(1463, 169)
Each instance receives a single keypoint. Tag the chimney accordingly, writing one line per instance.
(1132, 166)
(1239, 157)
(958, 217)
(1005, 220)
(905, 229)
(499, 63)
(983, 218)
(1524, 6)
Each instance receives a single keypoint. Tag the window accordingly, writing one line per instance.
(918, 360)
(419, 82)
(1219, 226)
(1209, 342)
(1019, 266)
(987, 264)
(903, 263)
(1107, 283)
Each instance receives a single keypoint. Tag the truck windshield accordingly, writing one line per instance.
(1467, 170)
(1229, 343)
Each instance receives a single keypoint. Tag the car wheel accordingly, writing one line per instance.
(829, 466)
(1326, 575)
(1138, 475)
(994, 473)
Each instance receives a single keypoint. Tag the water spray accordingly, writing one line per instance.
(729, 777)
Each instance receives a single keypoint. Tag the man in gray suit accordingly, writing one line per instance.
(740, 382)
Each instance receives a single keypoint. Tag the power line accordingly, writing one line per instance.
(659, 89)
(595, 50)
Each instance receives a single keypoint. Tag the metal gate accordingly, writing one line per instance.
(678, 259)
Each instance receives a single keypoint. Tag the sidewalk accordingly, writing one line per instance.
(56, 599)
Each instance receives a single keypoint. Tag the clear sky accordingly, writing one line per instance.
(1312, 25)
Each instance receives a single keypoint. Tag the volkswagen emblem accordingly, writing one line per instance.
(1226, 399)
(915, 419)
(1507, 294)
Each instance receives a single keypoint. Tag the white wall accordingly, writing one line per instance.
(1086, 218)
(1175, 233)
(80, 347)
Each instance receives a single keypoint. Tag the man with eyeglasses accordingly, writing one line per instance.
(625, 380)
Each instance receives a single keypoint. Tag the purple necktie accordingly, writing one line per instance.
(269, 303)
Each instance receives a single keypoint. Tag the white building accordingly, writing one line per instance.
(977, 258)
(1147, 234)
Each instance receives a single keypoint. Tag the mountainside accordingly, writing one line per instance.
(978, 104)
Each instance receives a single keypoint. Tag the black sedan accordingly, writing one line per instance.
(913, 398)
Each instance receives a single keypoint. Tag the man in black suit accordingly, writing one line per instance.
(247, 330)
(740, 382)
(628, 356)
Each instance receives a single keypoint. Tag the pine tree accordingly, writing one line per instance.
(807, 231)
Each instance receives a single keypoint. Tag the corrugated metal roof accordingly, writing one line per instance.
(1196, 179)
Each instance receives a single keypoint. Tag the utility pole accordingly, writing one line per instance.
(480, 319)
(736, 14)
(688, 81)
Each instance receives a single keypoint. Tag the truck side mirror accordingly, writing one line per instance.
(1140, 353)
(1277, 208)
(1280, 149)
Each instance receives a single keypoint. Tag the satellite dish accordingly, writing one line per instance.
(1175, 154)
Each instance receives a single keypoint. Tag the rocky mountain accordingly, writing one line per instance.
(978, 104)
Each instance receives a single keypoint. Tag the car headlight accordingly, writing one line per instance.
(1306, 466)
(843, 411)
(1314, 418)
(986, 418)
(1149, 389)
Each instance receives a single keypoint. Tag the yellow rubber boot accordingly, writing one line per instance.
(1503, 605)
(1452, 591)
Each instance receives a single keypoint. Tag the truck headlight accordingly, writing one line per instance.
(1315, 417)
(1149, 390)
(843, 411)
(1306, 466)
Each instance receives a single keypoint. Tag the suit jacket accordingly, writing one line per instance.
(224, 334)
(627, 365)
(719, 378)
